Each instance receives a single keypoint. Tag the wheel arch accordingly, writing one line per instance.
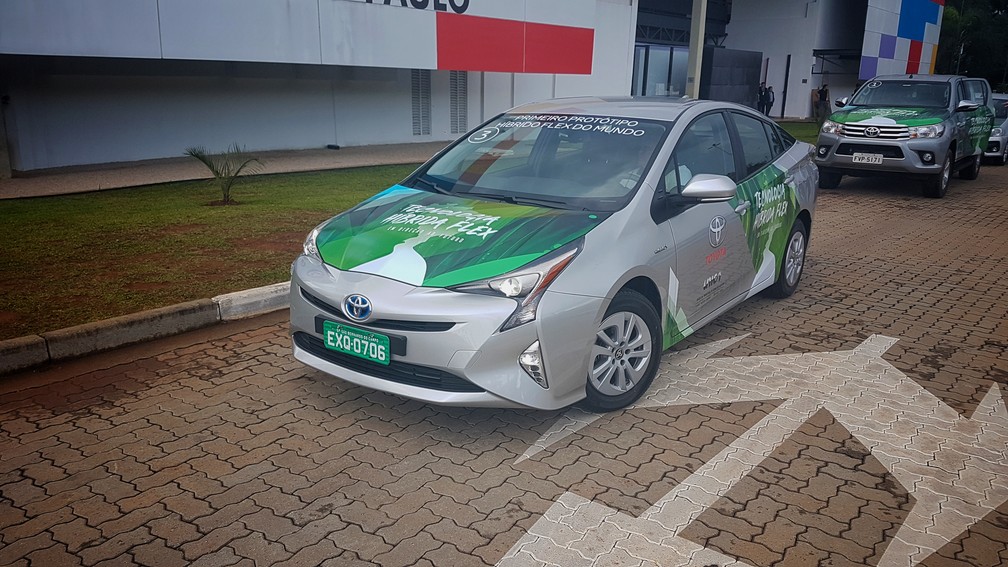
(646, 287)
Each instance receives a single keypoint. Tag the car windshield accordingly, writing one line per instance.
(914, 94)
(1000, 108)
(566, 161)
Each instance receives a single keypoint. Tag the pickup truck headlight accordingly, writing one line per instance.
(932, 131)
(527, 284)
(830, 127)
(997, 131)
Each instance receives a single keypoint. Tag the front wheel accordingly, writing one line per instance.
(624, 358)
(829, 180)
(972, 171)
(937, 186)
(792, 264)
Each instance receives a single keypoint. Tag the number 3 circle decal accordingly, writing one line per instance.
(483, 135)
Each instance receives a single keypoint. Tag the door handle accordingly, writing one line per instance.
(742, 208)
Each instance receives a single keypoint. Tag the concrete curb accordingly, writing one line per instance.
(25, 352)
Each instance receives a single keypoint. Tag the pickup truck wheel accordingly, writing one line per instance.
(829, 180)
(971, 171)
(937, 186)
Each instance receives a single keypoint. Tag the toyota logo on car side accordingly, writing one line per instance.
(872, 131)
(717, 225)
(357, 307)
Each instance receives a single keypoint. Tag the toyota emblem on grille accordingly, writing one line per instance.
(357, 307)
(872, 131)
(717, 225)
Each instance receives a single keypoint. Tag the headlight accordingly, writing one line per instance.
(309, 247)
(932, 131)
(527, 284)
(830, 127)
(997, 131)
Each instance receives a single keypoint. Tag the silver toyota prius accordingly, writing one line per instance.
(550, 255)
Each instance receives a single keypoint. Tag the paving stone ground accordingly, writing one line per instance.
(860, 422)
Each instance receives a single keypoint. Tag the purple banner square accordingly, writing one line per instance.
(869, 68)
(887, 47)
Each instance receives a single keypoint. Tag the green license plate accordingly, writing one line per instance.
(356, 342)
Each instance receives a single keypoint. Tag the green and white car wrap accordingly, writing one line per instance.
(924, 127)
(500, 302)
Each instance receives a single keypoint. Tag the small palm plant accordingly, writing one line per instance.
(226, 167)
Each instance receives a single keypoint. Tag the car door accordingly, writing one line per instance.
(978, 120)
(709, 239)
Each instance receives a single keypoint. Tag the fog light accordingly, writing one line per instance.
(531, 363)
(823, 150)
(927, 157)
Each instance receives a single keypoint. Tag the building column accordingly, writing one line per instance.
(698, 29)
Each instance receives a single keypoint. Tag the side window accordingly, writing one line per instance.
(963, 95)
(977, 92)
(705, 147)
(755, 145)
(776, 146)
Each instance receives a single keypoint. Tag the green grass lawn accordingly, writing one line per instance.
(804, 131)
(80, 258)
(73, 259)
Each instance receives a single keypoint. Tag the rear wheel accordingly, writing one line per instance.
(624, 358)
(971, 171)
(937, 186)
(792, 264)
(829, 179)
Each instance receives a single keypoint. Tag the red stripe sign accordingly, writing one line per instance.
(475, 43)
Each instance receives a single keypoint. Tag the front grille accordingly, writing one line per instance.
(885, 132)
(388, 324)
(895, 152)
(398, 372)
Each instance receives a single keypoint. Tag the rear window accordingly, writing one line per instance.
(1000, 110)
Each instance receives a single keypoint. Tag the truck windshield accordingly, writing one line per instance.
(912, 94)
(571, 161)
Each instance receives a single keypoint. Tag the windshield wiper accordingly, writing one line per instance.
(548, 203)
(431, 186)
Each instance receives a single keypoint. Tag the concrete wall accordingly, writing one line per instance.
(125, 80)
(797, 28)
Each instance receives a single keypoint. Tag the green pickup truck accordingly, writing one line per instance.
(925, 127)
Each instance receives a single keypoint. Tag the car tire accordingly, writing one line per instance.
(829, 179)
(937, 186)
(972, 171)
(625, 355)
(792, 265)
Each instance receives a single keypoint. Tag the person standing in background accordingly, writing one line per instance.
(769, 100)
(823, 104)
(761, 98)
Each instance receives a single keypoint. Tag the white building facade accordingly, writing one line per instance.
(99, 81)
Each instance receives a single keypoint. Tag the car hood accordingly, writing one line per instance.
(430, 239)
(890, 116)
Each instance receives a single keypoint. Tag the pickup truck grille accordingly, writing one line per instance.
(884, 132)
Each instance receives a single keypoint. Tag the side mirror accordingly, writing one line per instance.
(708, 188)
(966, 106)
(840, 102)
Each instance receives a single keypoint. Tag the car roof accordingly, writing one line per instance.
(646, 108)
(918, 77)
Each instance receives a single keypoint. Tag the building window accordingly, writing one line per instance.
(459, 102)
(660, 70)
(421, 102)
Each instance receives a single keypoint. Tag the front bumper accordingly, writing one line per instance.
(836, 153)
(453, 353)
